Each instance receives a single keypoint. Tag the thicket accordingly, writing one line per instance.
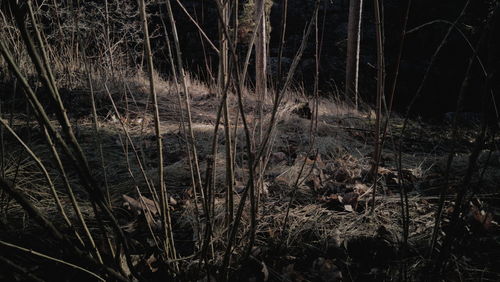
(83, 107)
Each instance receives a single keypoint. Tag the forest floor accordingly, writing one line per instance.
(331, 232)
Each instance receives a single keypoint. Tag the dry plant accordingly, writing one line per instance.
(232, 77)
(173, 178)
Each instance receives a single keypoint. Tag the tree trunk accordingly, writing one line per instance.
(353, 42)
(260, 50)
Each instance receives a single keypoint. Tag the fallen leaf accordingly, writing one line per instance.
(360, 188)
(143, 206)
(480, 218)
(239, 187)
(150, 261)
(139, 206)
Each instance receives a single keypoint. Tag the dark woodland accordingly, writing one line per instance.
(250, 140)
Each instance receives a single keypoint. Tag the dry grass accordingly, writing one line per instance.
(344, 142)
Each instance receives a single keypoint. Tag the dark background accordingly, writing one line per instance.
(440, 91)
(444, 82)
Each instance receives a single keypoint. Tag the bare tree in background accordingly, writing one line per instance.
(353, 42)
(260, 50)
(260, 69)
